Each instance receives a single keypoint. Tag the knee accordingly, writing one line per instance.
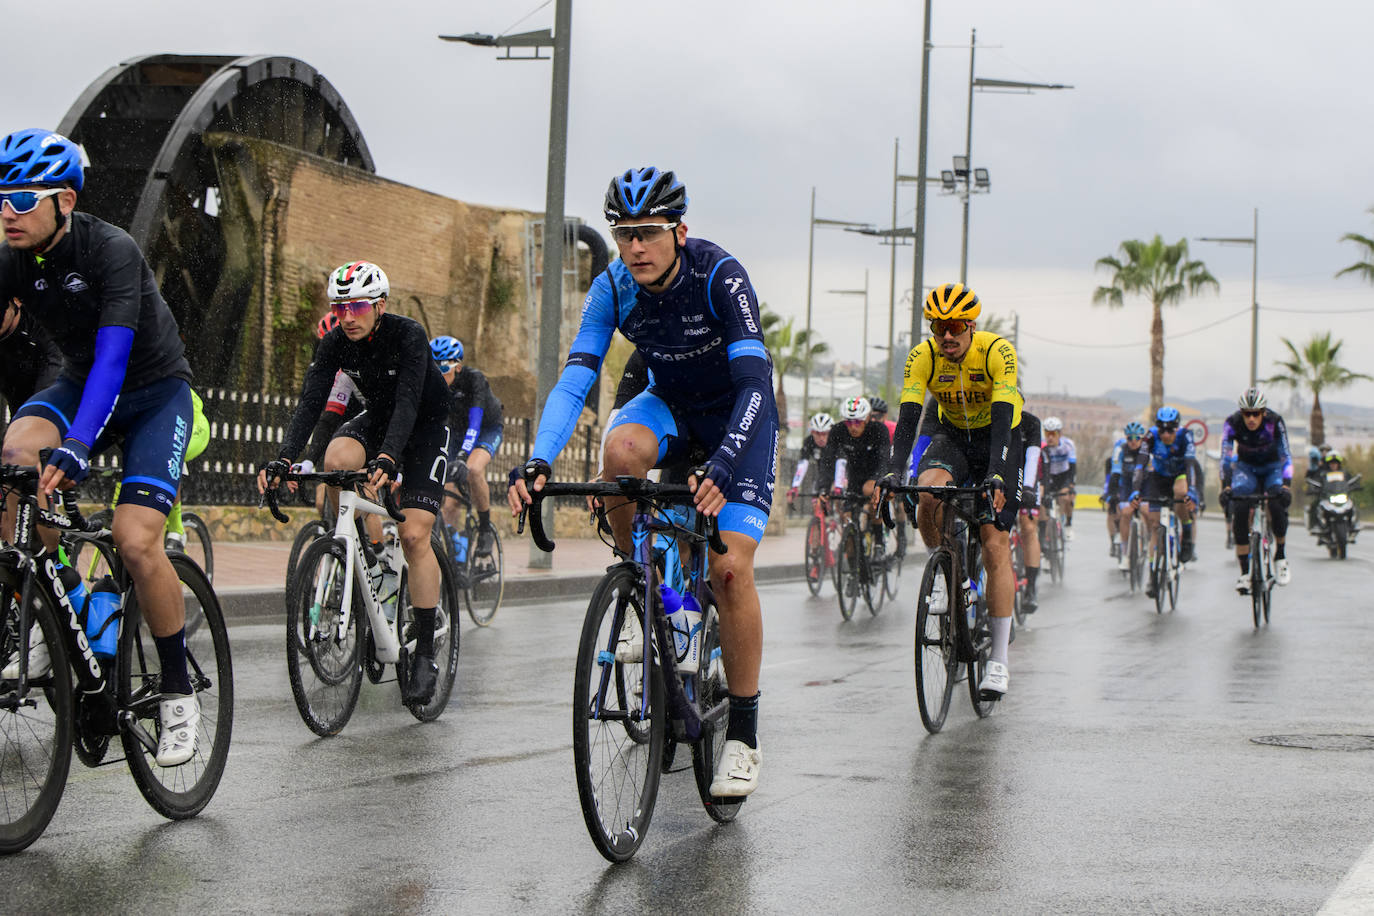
(414, 538)
(731, 577)
(630, 454)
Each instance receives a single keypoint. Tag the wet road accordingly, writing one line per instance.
(1118, 776)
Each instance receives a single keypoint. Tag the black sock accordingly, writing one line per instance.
(484, 518)
(1031, 573)
(744, 720)
(1278, 552)
(171, 653)
(424, 630)
(1244, 564)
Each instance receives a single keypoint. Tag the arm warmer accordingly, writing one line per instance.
(474, 427)
(112, 346)
(908, 421)
(1000, 461)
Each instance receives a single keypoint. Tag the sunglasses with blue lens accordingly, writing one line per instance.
(22, 202)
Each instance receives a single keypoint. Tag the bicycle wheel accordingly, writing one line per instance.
(1256, 579)
(712, 692)
(486, 583)
(875, 578)
(315, 528)
(1018, 572)
(937, 661)
(981, 634)
(1137, 559)
(1159, 565)
(1049, 551)
(182, 791)
(815, 555)
(894, 568)
(445, 635)
(1269, 579)
(323, 661)
(35, 740)
(618, 722)
(1060, 550)
(1175, 568)
(847, 572)
(198, 546)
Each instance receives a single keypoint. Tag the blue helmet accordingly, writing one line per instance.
(446, 349)
(41, 157)
(1167, 416)
(1134, 429)
(645, 192)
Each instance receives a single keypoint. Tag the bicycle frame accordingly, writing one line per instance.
(388, 645)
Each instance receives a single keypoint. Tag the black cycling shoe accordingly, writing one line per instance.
(424, 676)
(486, 540)
(1028, 602)
(1186, 553)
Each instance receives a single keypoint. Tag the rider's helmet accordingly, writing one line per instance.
(1166, 418)
(855, 409)
(358, 280)
(40, 157)
(953, 300)
(1252, 399)
(327, 323)
(822, 422)
(446, 349)
(1052, 424)
(1134, 430)
(1333, 456)
(877, 405)
(645, 192)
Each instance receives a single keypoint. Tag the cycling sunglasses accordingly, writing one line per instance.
(22, 202)
(949, 327)
(645, 232)
(449, 365)
(1251, 413)
(352, 307)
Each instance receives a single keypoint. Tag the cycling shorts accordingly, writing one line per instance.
(489, 437)
(1157, 488)
(1248, 479)
(964, 454)
(749, 497)
(151, 426)
(1056, 482)
(423, 462)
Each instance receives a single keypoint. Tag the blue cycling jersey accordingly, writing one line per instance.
(1264, 446)
(701, 339)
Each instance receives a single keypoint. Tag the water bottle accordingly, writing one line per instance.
(73, 586)
(970, 601)
(684, 620)
(102, 619)
(460, 547)
(691, 611)
(385, 583)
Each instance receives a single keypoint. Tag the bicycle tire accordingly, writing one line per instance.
(310, 531)
(1269, 579)
(1051, 553)
(182, 791)
(874, 577)
(446, 635)
(847, 571)
(1256, 579)
(323, 665)
(1060, 550)
(980, 644)
(1175, 568)
(711, 690)
(1017, 572)
(1158, 564)
(617, 767)
(35, 741)
(936, 657)
(894, 572)
(1137, 574)
(199, 547)
(485, 580)
(815, 555)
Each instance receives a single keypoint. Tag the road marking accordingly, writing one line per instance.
(1355, 894)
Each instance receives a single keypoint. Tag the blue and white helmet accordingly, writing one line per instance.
(645, 192)
(1166, 417)
(446, 349)
(1135, 429)
(41, 157)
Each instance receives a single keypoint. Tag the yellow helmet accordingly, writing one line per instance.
(953, 300)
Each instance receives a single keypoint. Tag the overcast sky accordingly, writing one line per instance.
(1184, 117)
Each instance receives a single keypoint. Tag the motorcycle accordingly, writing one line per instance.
(1336, 518)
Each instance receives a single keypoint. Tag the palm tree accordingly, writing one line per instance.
(1364, 269)
(1315, 367)
(1164, 275)
(792, 351)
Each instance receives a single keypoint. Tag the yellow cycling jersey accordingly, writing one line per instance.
(967, 389)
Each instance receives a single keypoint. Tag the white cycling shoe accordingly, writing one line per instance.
(40, 662)
(180, 717)
(1282, 575)
(1123, 563)
(1243, 584)
(1068, 534)
(996, 677)
(737, 775)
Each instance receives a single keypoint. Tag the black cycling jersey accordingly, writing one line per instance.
(394, 370)
(95, 277)
(633, 380)
(470, 389)
(810, 451)
(29, 361)
(865, 455)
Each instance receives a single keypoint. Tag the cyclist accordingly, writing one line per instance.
(1168, 474)
(1129, 454)
(864, 448)
(1027, 516)
(878, 414)
(29, 360)
(811, 448)
(124, 375)
(1255, 456)
(977, 437)
(1061, 465)
(689, 308)
(403, 431)
(472, 407)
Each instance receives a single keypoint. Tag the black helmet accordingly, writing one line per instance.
(878, 405)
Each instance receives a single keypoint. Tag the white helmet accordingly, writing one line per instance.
(1052, 424)
(1252, 399)
(822, 422)
(358, 280)
(855, 409)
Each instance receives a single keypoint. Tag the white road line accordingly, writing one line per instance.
(1355, 894)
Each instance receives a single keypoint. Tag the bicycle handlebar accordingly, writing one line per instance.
(72, 520)
(349, 479)
(944, 494)
(635, 488)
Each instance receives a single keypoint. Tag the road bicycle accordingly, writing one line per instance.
(329, 644)
(1165, 571)
(822, 541)
(1262, 578)
(195, 542)
(480, 576)
(952, 626)
(631, 694)
(45, 713)
(861, 560)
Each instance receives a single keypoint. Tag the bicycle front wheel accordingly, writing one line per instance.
(1256, 580)
(847, 571)
(182, 791)
(713, 698)
(310, 531)
(1018, 572)
(815, 555)
(35, 740)
(937, 661)
(618, 721)
(486, 583)
(445, 635)
(324, 657)
(875, 578)
(198, 545)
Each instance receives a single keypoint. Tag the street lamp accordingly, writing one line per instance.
(1253, 242)
(551, 299)
(810, 265)
(863, 383)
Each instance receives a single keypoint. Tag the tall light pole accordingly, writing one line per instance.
(551, 298)
(918, 276)
(1253, 242)
(810, 273)
(863, 378)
